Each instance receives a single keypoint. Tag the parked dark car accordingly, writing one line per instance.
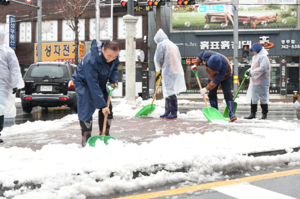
(49, 84)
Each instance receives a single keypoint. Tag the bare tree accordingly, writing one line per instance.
(72, 11)
(2, 15)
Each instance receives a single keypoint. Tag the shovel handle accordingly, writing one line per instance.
(156, 90)
(105, 116)
(203, 94)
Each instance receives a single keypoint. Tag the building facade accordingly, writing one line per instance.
(56, 32)
(276, 27)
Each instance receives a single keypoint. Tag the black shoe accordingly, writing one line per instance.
(264, 116)
(251, 116)
(1, 140)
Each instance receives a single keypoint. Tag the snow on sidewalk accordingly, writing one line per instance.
(66, 170)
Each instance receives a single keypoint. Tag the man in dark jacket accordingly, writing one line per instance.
(97, 66)
(219, 72)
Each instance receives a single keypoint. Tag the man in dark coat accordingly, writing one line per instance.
(97, 66)
(219, 72)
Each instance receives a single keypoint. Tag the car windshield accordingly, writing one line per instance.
(51, 71)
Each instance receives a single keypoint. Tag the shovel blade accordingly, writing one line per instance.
(146, 110)
(226, 111)
(212, 114)
(92, 140)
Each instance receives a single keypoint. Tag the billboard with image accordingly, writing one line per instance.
(219, 15)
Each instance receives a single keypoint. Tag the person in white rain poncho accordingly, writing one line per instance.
(260, 81)
(167, 58)
(10, 76)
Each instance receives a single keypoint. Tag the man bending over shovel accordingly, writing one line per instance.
(98, 66)
(219, 72)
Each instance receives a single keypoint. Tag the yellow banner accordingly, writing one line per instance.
(62, 51)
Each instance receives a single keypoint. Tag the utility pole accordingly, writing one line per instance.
(130, 8)
(236, 46)
(39, 30)
(158, 26)
(112, 19)
(97, 20)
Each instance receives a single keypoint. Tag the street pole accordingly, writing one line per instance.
(158, 26)
(130, 8)
(236, 49)
(112, 19)
(39, 30)
(97, 20)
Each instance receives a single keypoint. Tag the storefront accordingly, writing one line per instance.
(283, 47)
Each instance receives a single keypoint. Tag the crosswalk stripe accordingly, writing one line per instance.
(213, 185)
(248, 191)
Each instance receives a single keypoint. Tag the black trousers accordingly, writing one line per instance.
(1, 122)
(85, 127)
(226, 87)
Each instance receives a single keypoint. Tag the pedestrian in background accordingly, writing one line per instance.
(258, 89)
(97, 66)
(10, 76)
(167, 58)
(219, 72)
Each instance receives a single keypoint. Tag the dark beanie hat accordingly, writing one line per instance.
(215, 62)
(256, 47)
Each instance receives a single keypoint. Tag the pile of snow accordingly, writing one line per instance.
(70, 171)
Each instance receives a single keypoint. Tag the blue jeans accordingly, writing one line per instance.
(226, 87)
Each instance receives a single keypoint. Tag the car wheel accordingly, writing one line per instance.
(74, 108)
(27, 108)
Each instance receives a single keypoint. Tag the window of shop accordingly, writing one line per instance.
(25, 32)
(193, 87)
(69, 35)
(292, 78)
(105, 28)
(49, 31)
(122, 28)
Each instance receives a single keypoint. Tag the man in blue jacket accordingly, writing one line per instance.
(219, 72)
(97, 66)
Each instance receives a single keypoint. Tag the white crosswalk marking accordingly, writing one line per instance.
(248, 191)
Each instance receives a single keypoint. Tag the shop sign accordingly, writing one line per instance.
(283, 75)
(289, 44)
(12, 32)
(265, 42)
(64, 51)
(217, 45)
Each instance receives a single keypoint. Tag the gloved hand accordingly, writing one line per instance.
(14, 90)
(203, 91)
(248, 72)
(194, 67)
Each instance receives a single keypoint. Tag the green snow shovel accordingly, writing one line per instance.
(226, 111)
(148, 109)
(92, 140)
(209, 112)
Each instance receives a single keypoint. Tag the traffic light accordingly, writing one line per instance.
(192, 2)
(186, 2)
(124, 3)
(4, 2)
(246, 51)
(156, 2)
